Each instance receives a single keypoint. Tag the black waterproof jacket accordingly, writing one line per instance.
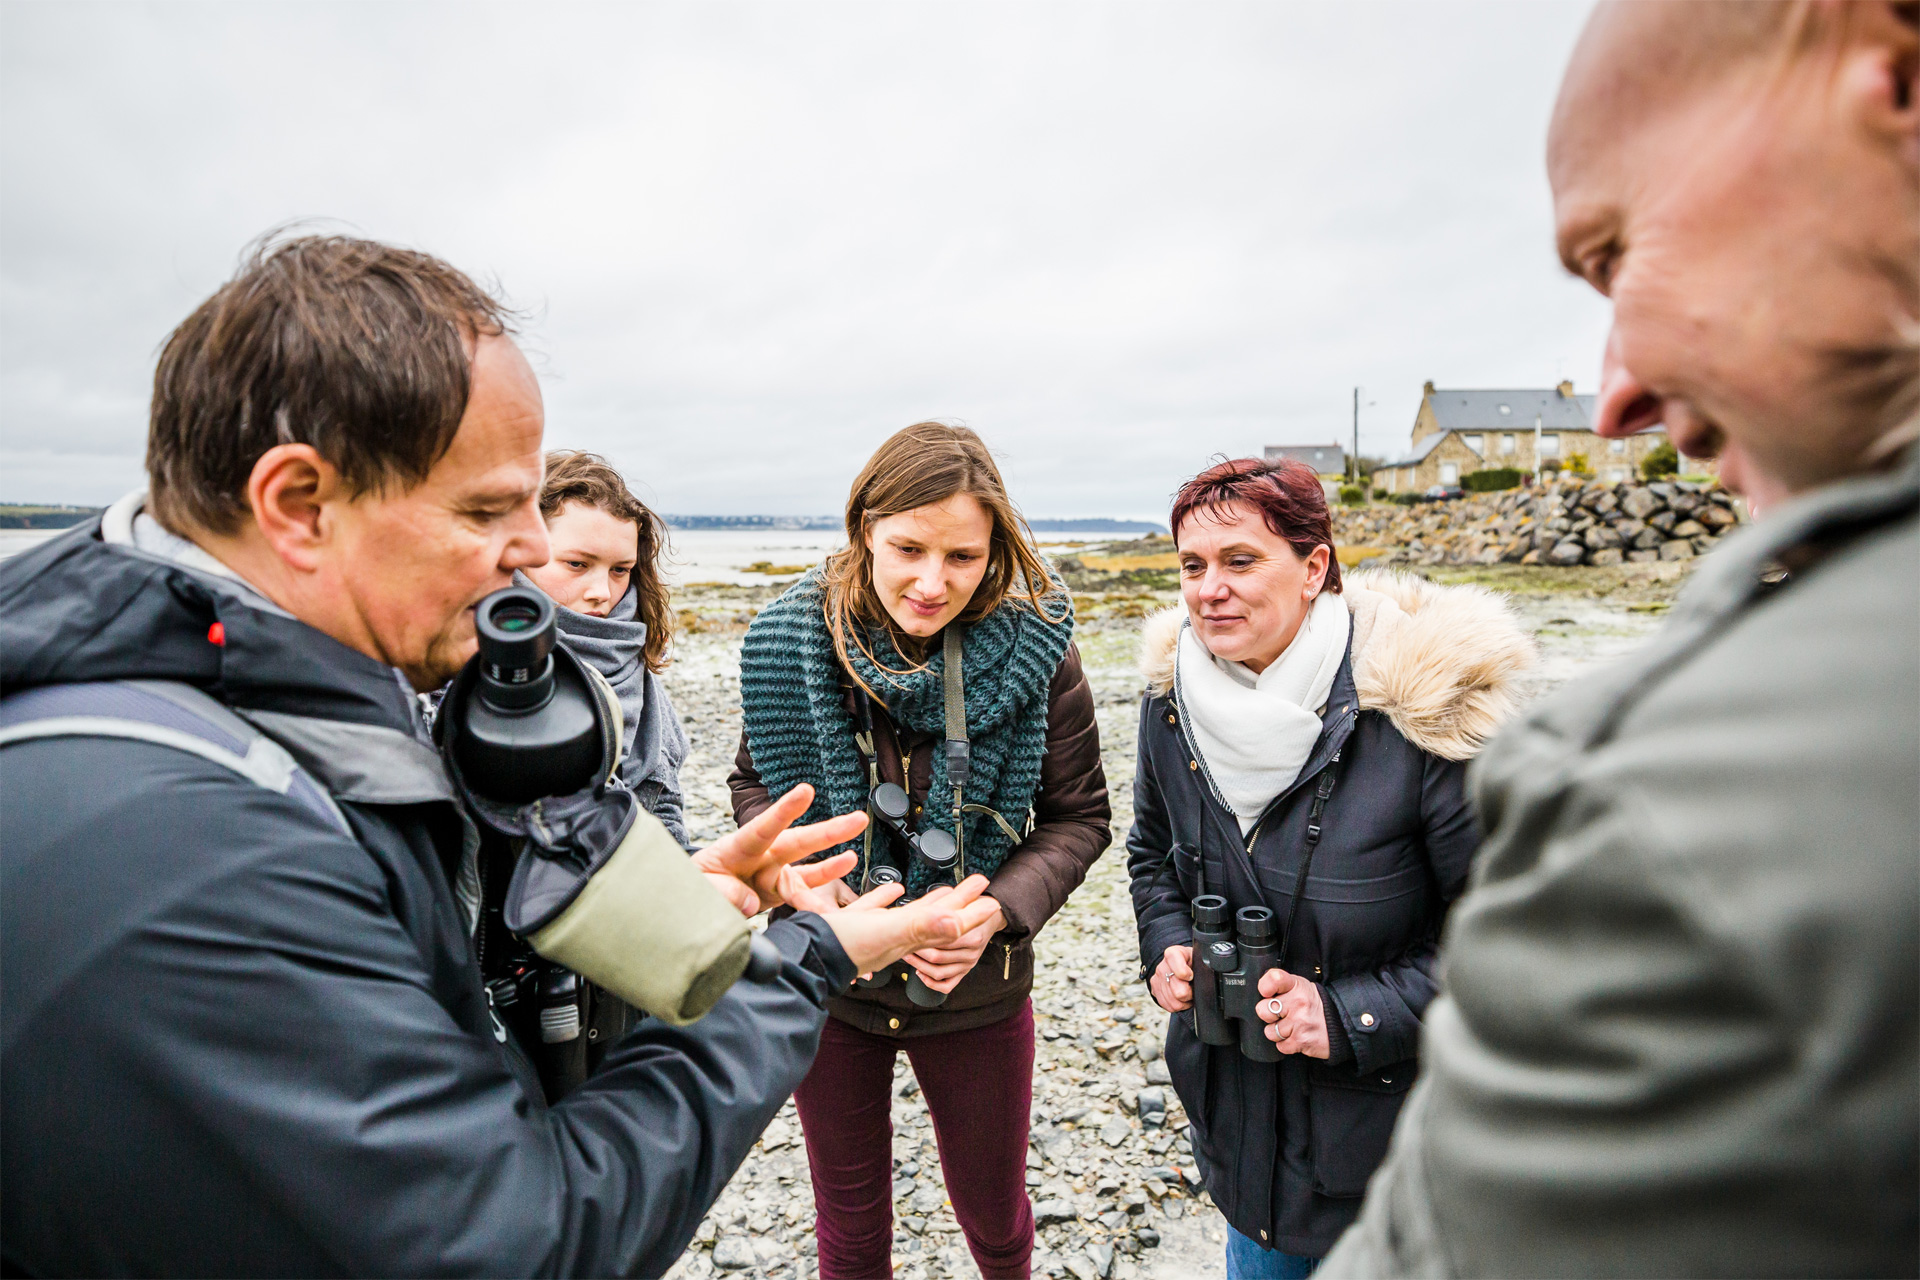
(1286, 1149)
(235, 1041)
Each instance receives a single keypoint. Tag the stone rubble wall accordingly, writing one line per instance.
(1564, 523)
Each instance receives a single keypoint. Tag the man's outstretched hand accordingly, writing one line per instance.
(875, 936)
(752, 867)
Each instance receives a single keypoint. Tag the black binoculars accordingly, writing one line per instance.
(917, 990)
(933, 846)
(1231, 950)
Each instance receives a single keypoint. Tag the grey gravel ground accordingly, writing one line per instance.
(1109, 1169)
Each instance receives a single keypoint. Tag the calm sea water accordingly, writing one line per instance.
(696, 555)
(14, 541)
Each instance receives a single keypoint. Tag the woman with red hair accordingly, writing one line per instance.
(1299, 810)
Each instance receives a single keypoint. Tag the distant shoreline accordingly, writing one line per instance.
(1100, 524)
(44, 515)
(26, 515)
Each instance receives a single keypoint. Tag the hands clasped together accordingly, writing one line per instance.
(1291, 1007)
(941, 935)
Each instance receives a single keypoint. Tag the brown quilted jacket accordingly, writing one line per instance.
(1071, 828)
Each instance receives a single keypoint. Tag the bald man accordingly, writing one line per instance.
(1681, 1033)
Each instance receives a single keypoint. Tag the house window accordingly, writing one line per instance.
(1549, 446)
(1619, 475)
(1616, 446)
(1505, 409)
(1476, 443)
(1507, 443)
(1449, 473)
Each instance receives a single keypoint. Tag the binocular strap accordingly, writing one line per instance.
(864, 740)
(1328, 777)
(959, 753)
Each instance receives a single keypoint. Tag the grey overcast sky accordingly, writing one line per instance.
(753, 239)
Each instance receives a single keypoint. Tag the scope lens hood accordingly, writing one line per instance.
(1254, 924)
(1210, 912)
(516, 628)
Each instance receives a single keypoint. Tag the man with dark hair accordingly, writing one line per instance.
(244, 1026)
(1681, 1027)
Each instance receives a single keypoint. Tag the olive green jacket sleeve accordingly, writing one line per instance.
(1681, 1030)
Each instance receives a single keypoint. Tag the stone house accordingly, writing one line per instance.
(1457, 432)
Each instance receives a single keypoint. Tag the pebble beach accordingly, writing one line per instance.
(1108, 1167)
(1109, 1170)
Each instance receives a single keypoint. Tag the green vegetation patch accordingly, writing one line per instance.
(1651, 583)
(1491, 479)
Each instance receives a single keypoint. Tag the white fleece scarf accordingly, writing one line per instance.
(1255, 732)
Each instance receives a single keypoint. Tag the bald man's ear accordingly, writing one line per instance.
(288, 493)
(1881, 69)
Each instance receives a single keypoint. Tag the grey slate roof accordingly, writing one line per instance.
(1480, 410)
(1325, 459)
(1420, 452)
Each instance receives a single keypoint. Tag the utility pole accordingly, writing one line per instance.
(1354, 467)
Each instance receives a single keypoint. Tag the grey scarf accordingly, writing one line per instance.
(655, 744)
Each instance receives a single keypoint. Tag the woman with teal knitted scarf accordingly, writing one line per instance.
(844, 685)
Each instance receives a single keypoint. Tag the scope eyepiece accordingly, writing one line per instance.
(516, 628)
(522, 720)
(1254, 924)
(1210, 912)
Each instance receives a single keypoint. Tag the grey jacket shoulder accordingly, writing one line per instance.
(657, 748)
(1682, 1030)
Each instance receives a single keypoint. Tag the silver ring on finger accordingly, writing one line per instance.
(1274, 1005)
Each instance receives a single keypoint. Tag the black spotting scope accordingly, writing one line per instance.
(528, 725)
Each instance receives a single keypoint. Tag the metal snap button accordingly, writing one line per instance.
(1366, 1019)
(893, 1024)
(1193, 765)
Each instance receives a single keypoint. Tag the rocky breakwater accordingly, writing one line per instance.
(1569, 523)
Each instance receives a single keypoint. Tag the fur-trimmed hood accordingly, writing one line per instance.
(1441, 662)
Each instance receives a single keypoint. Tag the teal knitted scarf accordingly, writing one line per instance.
(799, 730)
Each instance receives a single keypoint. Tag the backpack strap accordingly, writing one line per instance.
(167, 714)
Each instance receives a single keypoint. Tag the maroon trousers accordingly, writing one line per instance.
(979, 1088)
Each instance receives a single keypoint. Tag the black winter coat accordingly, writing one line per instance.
(237, 1041)
(1286, 1149)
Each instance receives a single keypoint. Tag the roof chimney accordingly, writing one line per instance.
(1565, 389)
(1427, 388)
